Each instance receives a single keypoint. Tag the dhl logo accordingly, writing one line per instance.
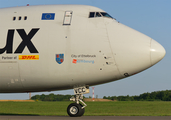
(28, 57)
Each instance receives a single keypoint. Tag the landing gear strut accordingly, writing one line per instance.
(77, 109)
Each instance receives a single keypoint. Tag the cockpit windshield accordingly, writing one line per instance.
(106, 15)
(99, 14)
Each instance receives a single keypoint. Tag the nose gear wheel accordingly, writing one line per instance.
(75, 110)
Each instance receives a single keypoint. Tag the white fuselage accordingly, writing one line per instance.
(95, 50)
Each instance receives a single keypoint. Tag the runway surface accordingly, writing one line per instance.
(11, 117)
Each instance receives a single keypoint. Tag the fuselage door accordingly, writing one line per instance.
(67, 18)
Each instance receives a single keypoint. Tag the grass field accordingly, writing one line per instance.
(127, 108)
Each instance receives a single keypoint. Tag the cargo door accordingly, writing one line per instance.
(67, 18)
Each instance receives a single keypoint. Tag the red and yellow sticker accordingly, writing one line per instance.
(28, 57)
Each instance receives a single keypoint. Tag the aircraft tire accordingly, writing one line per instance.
(81, 111)
(74, 110)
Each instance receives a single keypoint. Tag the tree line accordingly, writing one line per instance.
(154, 96)
(51, 97)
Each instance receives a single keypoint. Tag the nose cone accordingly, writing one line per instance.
(157, 52)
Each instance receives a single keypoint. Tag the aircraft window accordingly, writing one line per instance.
(25, 18)
(98, 14)
(14, 18)
(92, 14)
(19, 18)
(106, 15)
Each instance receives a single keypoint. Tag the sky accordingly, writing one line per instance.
(151, 17)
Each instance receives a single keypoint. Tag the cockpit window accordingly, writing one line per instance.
(106, 15)
(92, 15)
(99, 14)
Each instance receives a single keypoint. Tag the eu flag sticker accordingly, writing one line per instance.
(48, 16)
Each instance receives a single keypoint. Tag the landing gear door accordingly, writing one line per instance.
(67, 18)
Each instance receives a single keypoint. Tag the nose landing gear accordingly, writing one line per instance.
(76, 109)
